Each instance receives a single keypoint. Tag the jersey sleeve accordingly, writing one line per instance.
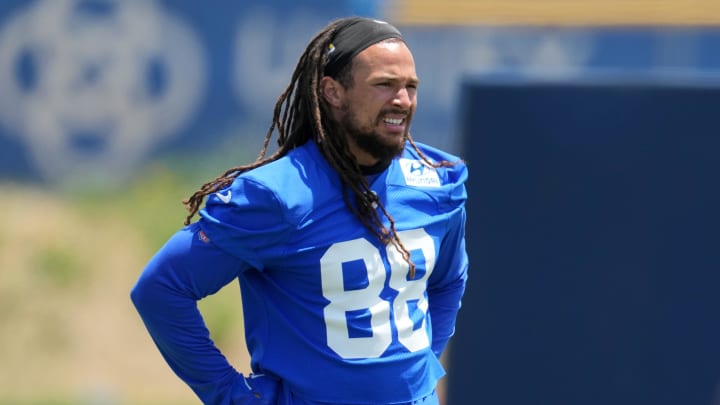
(187, 268)
(447, 282)
(247, 221)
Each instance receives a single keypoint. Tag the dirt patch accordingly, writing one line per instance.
(69, 328)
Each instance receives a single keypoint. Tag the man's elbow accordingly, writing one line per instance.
(142, 294)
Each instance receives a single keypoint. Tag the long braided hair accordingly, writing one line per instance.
(301, 114)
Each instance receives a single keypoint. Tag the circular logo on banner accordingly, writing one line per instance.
(92, 86)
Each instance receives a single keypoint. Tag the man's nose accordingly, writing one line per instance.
(402, 98)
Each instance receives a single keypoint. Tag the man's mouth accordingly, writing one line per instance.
(394, 121)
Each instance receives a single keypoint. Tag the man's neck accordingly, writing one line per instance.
(378, 167)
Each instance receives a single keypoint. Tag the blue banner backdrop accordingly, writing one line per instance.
(100, 86)
(93, 86)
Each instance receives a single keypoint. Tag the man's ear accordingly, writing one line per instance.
(332, 91)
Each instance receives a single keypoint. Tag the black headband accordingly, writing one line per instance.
(353, 35)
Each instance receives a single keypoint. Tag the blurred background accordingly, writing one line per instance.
(590, 127)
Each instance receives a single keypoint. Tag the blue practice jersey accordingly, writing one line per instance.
(329, 310)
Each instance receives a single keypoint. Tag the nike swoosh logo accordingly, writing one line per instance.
(225, 197)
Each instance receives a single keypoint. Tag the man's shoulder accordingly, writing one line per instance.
(444, 184)
(412, 162)
(297, 181)
(299, 168)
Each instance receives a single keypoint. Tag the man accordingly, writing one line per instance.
(348, 242)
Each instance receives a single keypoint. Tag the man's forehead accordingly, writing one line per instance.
(386, 57)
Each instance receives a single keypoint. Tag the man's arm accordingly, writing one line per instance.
(447, 282)
(185, 270)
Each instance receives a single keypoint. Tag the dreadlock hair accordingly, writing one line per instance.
(301, 114)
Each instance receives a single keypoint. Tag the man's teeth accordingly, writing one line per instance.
(394, 121)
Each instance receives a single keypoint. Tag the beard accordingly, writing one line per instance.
(383, 148)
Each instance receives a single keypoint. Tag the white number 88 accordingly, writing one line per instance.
(410, 298)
